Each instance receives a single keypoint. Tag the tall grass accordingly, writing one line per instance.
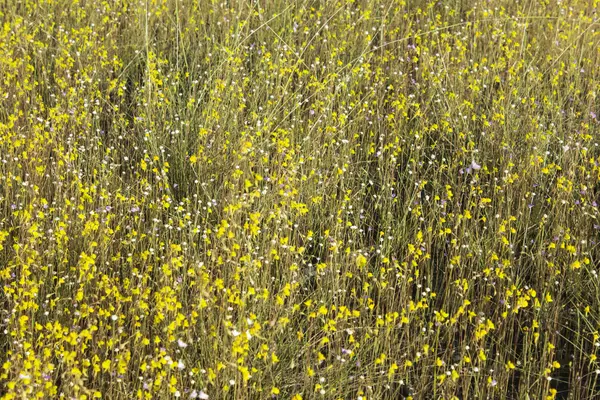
(342, 199)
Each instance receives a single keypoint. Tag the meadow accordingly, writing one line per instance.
(299, 199)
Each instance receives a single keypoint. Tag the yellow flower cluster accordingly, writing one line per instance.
(338, 199)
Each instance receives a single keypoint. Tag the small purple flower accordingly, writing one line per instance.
(473, 167)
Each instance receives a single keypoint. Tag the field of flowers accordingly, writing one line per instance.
(299, 199)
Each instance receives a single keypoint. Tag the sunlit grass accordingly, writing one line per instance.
(299, 199)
